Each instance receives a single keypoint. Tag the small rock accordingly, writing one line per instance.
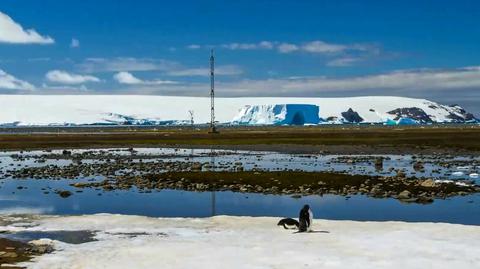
(424, 200)
(401, 173)
(79, 185)
(404, 195)
(42, 246)
(379, 163)
(429, 183)
(9, 255)
(418, 166)
(64, 194)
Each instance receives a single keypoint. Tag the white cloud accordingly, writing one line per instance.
(194, 47)
(343, 62)
(314, 47)
(323, 47)
(248, 46)
(190, 72)
(394, 82)
(287, 48)
(225, 70)
(75, 43)
(170, 68)
(239, 46)
(93, 65)
(265, 45)
(129, 78)
(10, 82)
(126, 78)
(59, 76)
(426, 83)
(12, 32)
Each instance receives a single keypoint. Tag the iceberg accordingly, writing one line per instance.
(400, 121)
(280, 114)
(390, 122)
(406, 121)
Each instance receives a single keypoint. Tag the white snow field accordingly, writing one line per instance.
(136, 109)
(255, 242)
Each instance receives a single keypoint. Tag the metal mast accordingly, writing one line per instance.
(212, 93)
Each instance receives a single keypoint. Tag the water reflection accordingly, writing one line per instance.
(171, 203)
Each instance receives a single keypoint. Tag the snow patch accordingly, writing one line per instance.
(257, 242)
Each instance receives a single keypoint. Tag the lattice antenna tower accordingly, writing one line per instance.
(213, 128)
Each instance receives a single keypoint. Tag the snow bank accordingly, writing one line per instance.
(247, 242)
(136, 109)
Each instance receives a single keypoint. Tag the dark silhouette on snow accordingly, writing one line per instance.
(288, 222)
(305, 218)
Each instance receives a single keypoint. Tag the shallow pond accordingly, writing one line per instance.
(437, 167)
(171, 203)
(27, 196)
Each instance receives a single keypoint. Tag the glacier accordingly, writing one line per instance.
(71, 110)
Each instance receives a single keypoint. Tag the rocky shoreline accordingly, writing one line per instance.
(295, 184)
(107, 170)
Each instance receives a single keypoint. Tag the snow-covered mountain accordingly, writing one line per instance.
(135, 109)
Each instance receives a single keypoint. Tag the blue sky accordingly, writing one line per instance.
(425, 49)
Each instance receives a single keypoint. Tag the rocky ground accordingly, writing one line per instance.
(344, 139)
(12, 251)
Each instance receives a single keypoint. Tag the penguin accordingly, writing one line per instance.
(288, 222)
(306, 218)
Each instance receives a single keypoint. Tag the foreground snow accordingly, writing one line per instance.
(126, 109)
(254, 242)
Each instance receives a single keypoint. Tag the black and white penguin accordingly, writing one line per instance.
(288, 222)
(305, 219)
